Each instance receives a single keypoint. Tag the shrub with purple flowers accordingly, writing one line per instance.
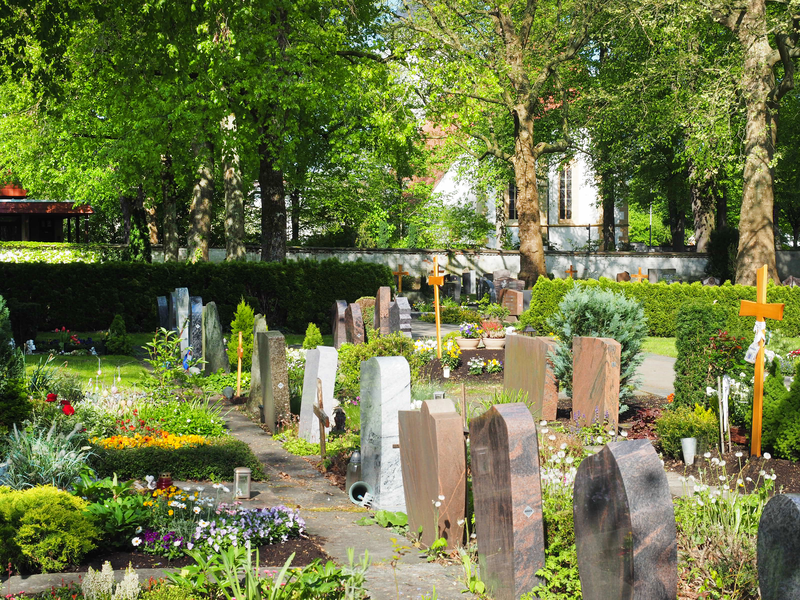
(170, 545)
(470, 331)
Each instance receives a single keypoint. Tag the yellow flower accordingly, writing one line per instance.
(171, 512)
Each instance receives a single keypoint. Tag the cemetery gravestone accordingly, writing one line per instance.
(513, 301)
(254, 399)
(274, 378)
(213, 344)
(792, 281)
(196, 327)
(382, 301)
(172, 300)
(468, 280)
(433, 459)
(779, 548)
(624, 276)
(710, 281)
(625, 525)
(526, 299)
(527, 369)
(656, 275)
(501, 274)
(595, 380)
(354, 324)
(486, 286)
(338, 324)
(385, 390)
(321, 364)
(182, 317)
(508, 499)
(452, 287)
(163, 312)
(400, 316)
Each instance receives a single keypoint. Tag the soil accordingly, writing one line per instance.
(433, 370)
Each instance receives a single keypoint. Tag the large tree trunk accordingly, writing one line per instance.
(294, 196)
(273, 206)
(152, 222)
(234, 194)
(677, 218)
(607, 194)
(170, 210)
(702, 210)
(722, 206)
(531, 248)
(200, 210)
(756, 235)
(137, 238)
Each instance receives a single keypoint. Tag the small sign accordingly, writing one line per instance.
(528, 512)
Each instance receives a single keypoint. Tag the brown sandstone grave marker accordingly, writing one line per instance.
(595, 380)
(382, 301)
(354, 324)
(337, 323)
(513, 301)
(528, 369)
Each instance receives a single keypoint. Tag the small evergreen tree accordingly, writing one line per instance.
(14, 404)
(313, 337)
(118, 341)
(243, 320)
(696, 322)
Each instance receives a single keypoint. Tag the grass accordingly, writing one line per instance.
(138, 339)
(131, 370)
(657, 345)
(296, 339)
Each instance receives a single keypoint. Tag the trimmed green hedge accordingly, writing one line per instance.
(194, 463)
(85, 297)
(661, 302)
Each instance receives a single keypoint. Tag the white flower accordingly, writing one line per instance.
(623, 433)
(196, 510)
(437, 504)
(216, 486)
(138, 530)
(722, 463)
(542, 423)
(441, 497)
(136, 541)
(739, 481)
(714, 461)
(200, 488)
(774, 477)
(767, 456)
(176, 543)
(748, 479)
(460, 522)
(738, 455)
(202, 523)
(545, 430)
(722, 477)
(707, 455)
(224, 489)
(551, 437)
(569, 460)
(564, 446)
(762, 472)
(599, 439)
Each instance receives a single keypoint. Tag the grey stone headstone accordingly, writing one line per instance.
(468, 280)
(354, 324)
(487, 286)
(656, 275)
(779, 548)
(501, 274)
(385, 390)
(710, 281)
(183, 317)
(321, 363)
(163, 312)
(337, 323)
(172, 318)
(214, 351)
(196, 326)
(254, 399)
(400, 316)
(452, 287)
(526, 299)
(274, 378)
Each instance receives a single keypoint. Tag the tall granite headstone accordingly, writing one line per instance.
(508, 499)
(321, 363)
(196, 326)
(274, 378)
(382, 301)
(183, 317)
(595, 380)
(452, 287)
(172, 301)
(354, 324)
(527, 369)
(385, 390)
(163, 312)
(337, 323)
(214, 351)
(400, 316)
(433, 458)
(254, 399)
(513, 301)
(625, 525)
(779, 548)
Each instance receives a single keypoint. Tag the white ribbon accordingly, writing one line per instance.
(759, 329)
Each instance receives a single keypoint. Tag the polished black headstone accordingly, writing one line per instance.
(163, 312)
(779, 548)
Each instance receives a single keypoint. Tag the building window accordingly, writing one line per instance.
(512, 202)
(565, 193)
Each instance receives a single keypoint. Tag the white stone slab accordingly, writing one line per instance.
(321, 362)
(182, 317)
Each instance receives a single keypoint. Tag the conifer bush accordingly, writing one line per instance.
(243, 320)
(313, 337)
(594, 312)
(118, 341)
(780, 429)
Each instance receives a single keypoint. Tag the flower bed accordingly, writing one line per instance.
(158, 439)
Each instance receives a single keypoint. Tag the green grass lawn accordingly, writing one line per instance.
(293, 339)
(657, 345)
(132, 370)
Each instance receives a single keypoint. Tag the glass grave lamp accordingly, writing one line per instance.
(241, 483)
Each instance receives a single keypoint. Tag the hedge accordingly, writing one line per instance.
(661, 302)
(85, 297)
(216, 460)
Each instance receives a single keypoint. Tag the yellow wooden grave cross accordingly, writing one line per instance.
(239, 353)
(760, 310)
(399, 274)
(571, 272)
(639, 276)
(436, 280)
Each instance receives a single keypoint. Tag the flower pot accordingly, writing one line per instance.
(689, 447)
(494, 343)
(446, 372)
(468, 343)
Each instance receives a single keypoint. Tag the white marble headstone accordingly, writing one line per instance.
(182, 317)
(321, 362)
(385, 390)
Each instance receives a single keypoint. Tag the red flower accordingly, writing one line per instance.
(68, 410)
(52, 397)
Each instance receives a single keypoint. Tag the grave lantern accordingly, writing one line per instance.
(529, 331)
(241, 483)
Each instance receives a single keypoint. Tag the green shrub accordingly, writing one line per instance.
(216, 460)
(684, 422)
(454, 315)
(243, 321)
(348, 379)
(14, 405)
(697, 320)
(599, 313)
(118, 341)
(313, 337)
(780, 429)
(44, 529)
(161, 590)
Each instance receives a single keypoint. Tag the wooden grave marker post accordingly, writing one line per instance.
(437, 280)
(399, 274)
(239, 353)
(324, 421)
(639, 276)
(571, 272)
(760, 310)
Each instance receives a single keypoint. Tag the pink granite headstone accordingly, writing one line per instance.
(595, 380)
(527, 369)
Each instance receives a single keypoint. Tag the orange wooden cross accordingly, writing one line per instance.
(760, 310)
(436, 280)
(239, 353)
(571, 272)
(399, 274)
(639, 276)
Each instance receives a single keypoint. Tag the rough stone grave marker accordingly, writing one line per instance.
(163, 312)
(385, 390)
(528, 369)
(711, 280)
(254, 399)
(400, 316)
(779, 548)
(624, 276)
(338, 324)
(791, 281)
(595, 380)
(354, 324)
(625, 525)
(213, 345)
(274, 378)
(321, 363)
(182, 317)
(656, 275)
(382, 301)
(196, 326)
(433, 459)
(508, 499)
(513, 301)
